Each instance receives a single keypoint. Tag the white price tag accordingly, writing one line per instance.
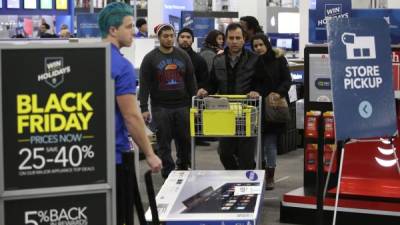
(247, 190)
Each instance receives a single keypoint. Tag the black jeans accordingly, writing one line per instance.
(124, 195)
(237, 153)
(172, 124)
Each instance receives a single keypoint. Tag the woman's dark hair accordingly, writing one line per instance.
(263, 38)
(252, 24)
(47, 26)
(140, 22)
(211, 39)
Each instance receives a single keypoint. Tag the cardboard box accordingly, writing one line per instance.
(211, 198)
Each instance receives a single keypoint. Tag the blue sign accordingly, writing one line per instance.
(327, 9)
(362, 82)
(187, 19)
(392, 16)
(251, 175)
(175, 22)
(87, 25)
(201, 26)
(174, 8)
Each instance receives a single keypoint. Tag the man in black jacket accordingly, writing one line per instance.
(185, 40)
(233, 73)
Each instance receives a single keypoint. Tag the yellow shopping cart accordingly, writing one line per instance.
(225, 116)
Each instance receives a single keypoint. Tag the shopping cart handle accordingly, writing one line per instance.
(152, 197)
(229, 96)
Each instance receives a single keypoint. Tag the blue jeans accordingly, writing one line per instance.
(270, 142)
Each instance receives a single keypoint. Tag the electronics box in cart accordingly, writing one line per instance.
(211, 197)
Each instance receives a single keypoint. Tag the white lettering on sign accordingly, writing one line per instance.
(325, 20)
(362, 77)
(395, 57)
(333, 11)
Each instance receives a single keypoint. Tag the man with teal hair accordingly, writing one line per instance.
(116, 26)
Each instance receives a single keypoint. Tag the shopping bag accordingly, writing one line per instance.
(216, 103)
(276, 109)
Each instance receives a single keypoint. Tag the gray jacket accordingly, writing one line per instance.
(208, 54)
(238, 80)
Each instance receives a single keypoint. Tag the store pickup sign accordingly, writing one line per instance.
(362, 81)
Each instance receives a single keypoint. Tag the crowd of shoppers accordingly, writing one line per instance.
(241, 61)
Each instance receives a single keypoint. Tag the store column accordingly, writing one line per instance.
(304, 8)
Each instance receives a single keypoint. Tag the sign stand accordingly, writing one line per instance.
(57, 149)
(362, 85)
(320, 172)
(338, 186)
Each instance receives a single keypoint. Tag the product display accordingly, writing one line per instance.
(61, 4)
(13, 4)
(46, 4)
(29, 4)
(221, 200)
(199, 196)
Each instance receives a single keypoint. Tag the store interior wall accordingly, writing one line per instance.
(304, 6)
(256, 8)
(154, 14)
(393, 4)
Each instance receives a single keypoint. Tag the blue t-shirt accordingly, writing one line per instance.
(124, 76)
(141, 35)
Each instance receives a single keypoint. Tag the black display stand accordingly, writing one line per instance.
(57, 149)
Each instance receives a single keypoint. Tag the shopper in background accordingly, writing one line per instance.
(213, 45)
(274, 82)
(116, 26)
(167, 75)
(233, 73)
(65, 34)
(251, 27)
(185, 40)
(64, 31)
(44, 31)
(141, 25)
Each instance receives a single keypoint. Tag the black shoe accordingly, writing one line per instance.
(182, 167)
(202, 143)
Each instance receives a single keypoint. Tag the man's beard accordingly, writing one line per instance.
(185, 47)
(167, 46)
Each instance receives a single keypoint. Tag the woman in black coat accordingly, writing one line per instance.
(273, 80)
(213, 45)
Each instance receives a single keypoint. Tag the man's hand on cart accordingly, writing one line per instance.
(253, 94)
(154, 162)
(274, 97)
(202, 92)
(146, 117)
